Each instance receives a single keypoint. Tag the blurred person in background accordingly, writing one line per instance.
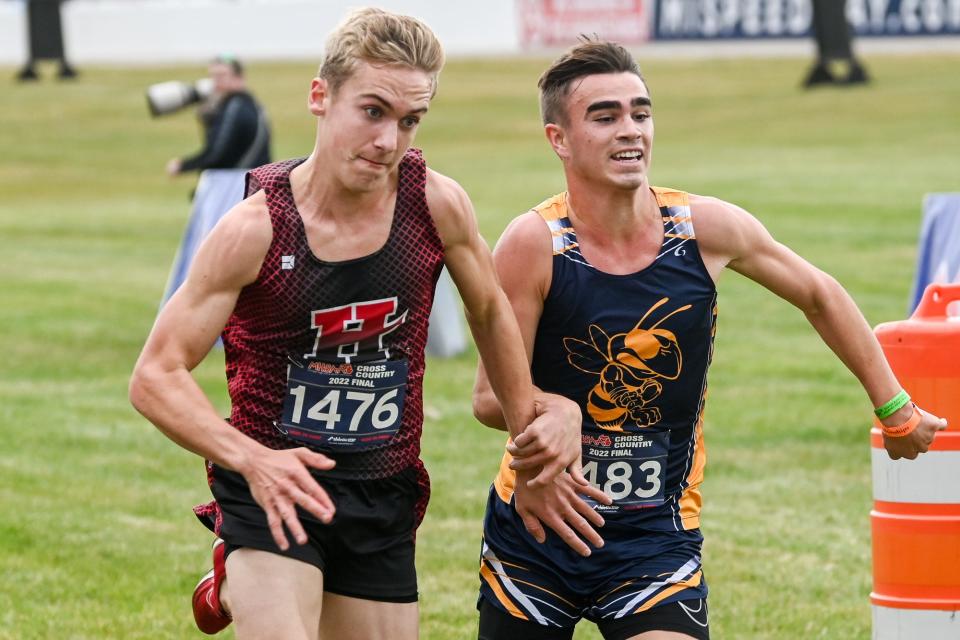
(614, 286)
(321, 284)
(235, 128)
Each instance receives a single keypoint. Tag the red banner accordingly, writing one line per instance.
(558, 23)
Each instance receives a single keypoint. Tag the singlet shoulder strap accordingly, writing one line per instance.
(553, 208)
(269, 175)
(555, 214)
(412, 211)
(675, 209)
(414, 155)
(412, 181)
(667, 197)
(274, 180)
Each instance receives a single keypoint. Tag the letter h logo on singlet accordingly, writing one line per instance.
(355, 329)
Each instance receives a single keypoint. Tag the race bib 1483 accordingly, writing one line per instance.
(628, 467)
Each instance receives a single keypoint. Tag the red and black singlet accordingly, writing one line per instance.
(336, 316)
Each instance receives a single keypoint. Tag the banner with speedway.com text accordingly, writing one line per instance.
(736, 19)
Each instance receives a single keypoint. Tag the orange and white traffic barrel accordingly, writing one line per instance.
(915, 519)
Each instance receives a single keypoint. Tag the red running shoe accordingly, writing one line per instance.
(207, 610)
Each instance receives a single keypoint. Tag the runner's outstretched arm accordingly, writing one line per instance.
(729, 236)
(522, 262)
(165, 392)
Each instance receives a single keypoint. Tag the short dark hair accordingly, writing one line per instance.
(591, 56)
(231, 61)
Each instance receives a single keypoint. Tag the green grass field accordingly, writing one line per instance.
(96, 535)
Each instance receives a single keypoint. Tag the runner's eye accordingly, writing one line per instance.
(373, 112)
(409, 122)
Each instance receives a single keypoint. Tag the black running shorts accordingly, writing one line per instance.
(682, 616)
(366, 552)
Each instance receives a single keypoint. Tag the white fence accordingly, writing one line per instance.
(151, 31)
(164, 31)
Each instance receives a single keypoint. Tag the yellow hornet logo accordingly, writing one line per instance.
(632, 366)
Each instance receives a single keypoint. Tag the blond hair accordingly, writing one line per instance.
(380, 37)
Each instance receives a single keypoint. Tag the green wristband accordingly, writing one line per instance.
(890, 407)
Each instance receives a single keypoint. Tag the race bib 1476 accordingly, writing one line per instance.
(345, 406)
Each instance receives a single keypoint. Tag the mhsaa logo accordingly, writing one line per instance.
(602, 440)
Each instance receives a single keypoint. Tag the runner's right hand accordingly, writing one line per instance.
(280, 481)
(559, 505)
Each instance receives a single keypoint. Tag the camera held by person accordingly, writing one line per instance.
(236, 131)
(165, 98)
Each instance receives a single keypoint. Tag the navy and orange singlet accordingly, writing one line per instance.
(633, 351)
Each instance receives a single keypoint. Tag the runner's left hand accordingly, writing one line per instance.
(917, 441)
(551, 442)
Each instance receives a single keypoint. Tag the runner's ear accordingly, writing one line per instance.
(557, 139)
(318, 98)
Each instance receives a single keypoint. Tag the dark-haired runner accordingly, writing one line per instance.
(613, 284)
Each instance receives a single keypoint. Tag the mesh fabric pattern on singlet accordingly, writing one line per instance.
(273, 317)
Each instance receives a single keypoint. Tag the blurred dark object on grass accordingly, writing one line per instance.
(835, 62)
(45, 34)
